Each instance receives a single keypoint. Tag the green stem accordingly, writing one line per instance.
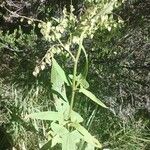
(75, 72)
(74, 80)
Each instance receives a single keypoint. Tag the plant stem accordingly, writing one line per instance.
(74, 80)
(74, 74)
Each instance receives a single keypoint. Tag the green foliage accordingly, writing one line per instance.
(72, 53)
(92, 97)
(59, 71)
(75, 34)
(62, 116)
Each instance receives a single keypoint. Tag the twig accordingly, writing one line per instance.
(14, 14)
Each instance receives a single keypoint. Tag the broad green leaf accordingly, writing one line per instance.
(48, 115)
(56, 139)
(90, 147)
(92, 97)
(87, 136)
(60, 71)
(81, 80)
(75, 117)
(61, 105)
(46, 146)
(76, 136)
(84, 83)
(59, 129)
(68, 142)
(58, 80)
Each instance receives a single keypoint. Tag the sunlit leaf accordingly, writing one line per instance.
(92, 97)
(48, 115)
(46, 146)
(58, 80)
(76, 136)
(89, 147)
(60, 71)
(87, 136)
(59, 129)
(68, 142)
(56, 139)
(84, 83)
(75, 117)
(61, 105)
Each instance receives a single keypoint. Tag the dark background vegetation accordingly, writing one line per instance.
(119, 74)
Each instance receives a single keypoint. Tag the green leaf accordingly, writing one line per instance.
(87, 136)
(75, 117)
(92, 97)
(61, 105)
(60, 71)
(68, 142)
(56, 81)
(76, 136)
(56, 139)
(89, 147)
(46, 146)
(48, 115)
(59, 129)
(84, 83)
(58, 78)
